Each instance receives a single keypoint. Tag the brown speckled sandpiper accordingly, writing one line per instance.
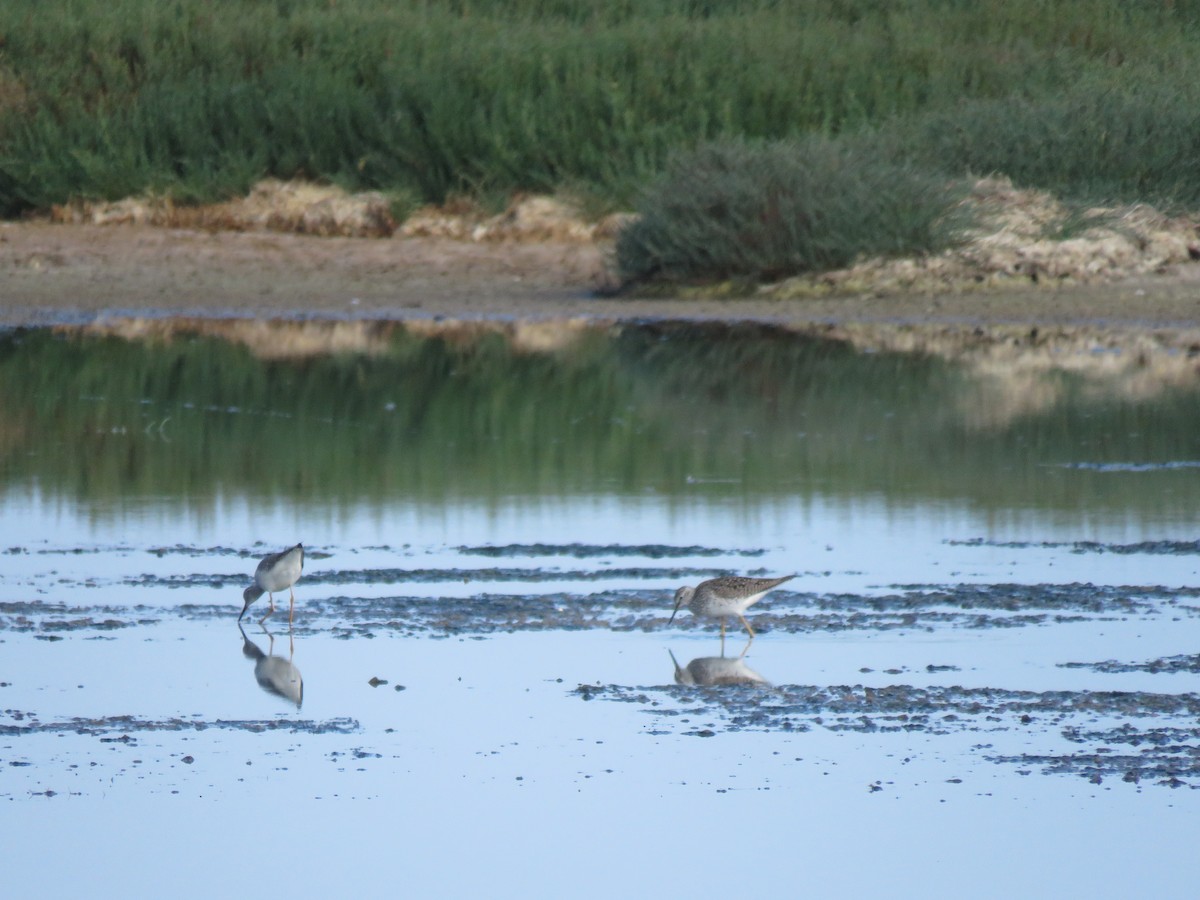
(729, 595)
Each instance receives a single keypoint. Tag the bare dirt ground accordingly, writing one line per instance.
(283, 253)
(53, 272)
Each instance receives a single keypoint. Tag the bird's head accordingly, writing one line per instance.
(682, 675)
(683, 597)
(249, 595)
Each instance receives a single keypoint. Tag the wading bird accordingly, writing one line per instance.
(276, 572)
(729, 595)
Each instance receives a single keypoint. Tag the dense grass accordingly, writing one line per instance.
(1094, 141)
(200, 97)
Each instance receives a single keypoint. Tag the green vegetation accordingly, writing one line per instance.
(1098, 140)
(674, 412)
(732, 210)
(197, 99)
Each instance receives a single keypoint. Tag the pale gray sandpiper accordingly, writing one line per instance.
(276, 572)
(729, 595)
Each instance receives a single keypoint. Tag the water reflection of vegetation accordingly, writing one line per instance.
(677, 410)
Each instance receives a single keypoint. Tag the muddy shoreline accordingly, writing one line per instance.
(54, 273)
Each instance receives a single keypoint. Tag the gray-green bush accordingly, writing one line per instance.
(768, 210)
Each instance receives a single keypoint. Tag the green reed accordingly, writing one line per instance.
(197, 98)
(1128, 141)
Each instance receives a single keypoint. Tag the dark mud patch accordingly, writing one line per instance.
(1168, 756)
(492, 613)
(933, 710)
(390, 576)
(254, 553)
(1168, 665)
(915, 607)
(634, 610)
(931, 606)
(23, 723)
(33, 615)
(589, 551)
(1168, 751)
(1148, 548)
(86, 623)
(1077, 598)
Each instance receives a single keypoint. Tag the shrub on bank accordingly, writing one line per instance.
(768, 210)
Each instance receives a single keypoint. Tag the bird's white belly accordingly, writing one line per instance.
(282, 576)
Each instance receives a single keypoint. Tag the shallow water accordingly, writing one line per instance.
(985, 679)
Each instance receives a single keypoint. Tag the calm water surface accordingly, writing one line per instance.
(983, 682)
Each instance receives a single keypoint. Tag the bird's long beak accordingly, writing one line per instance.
(678, 603)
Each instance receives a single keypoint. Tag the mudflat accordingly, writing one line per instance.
(58, 273)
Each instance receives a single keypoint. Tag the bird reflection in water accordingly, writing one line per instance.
(275, 674)
(718, 671)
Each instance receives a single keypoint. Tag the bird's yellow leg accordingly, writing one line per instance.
(269, 612)
(291, 606)
(749, 630)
